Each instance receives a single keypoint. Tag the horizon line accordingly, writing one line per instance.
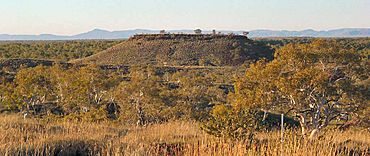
(184, 29)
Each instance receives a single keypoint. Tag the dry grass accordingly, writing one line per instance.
(39, 137)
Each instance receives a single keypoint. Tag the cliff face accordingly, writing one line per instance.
(182, 50)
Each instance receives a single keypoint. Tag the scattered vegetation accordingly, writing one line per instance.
(146, 94)
(227, 105)
(319, 83)
(53, 50)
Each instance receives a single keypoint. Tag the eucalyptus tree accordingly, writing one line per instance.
(315, 82)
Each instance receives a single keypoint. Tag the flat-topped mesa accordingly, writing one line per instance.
(148, 37)
(182, 50)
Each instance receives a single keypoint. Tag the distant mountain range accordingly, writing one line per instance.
(104, 34)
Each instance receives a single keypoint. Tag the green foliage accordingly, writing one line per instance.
(317, 82)
(325, 77)
(7, 97)
(197, 94)
(76, 89)
(34, 86)
(358, 44)
(156, 98)
(81, 88)
(140, 98)
(227, 122)
(55, 50)
(314, 81)
(84, 92)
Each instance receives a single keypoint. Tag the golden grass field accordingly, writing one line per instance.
(29, 136)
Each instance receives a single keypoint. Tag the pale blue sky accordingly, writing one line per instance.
(74, 16)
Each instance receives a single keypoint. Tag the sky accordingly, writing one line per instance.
(68, 17)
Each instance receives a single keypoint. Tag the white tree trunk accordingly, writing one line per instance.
(314, 134)
(303, 124)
